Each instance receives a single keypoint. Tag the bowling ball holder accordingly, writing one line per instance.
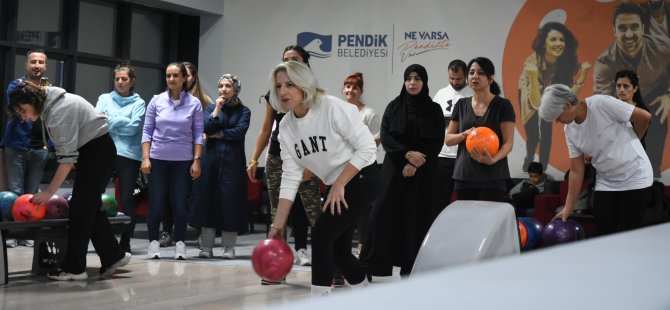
(49, 250)
(50, 242)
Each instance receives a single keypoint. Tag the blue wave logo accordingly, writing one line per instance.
(317, 45)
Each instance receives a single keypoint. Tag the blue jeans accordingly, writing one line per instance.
(24, 169)
(169, 180)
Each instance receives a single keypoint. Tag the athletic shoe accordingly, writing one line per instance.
(204, 253)
(180, 250)
(61, 275)
(228, 252)
(154, 249)
(165, 239)
(338, 279)
(27, 243)
(108, 271)
(303, 258)
(11, 243)
(266, 282)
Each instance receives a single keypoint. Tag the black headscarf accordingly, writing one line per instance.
(406, 110)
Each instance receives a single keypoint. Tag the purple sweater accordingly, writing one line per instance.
(172, 130)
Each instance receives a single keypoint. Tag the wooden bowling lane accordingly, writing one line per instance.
(150, 284)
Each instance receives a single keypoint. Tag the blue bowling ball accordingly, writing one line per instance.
(7, 200)
(533, 233)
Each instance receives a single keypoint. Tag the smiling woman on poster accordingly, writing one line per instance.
(554, 60)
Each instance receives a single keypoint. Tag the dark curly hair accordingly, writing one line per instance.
(567, 63)
(26, 92)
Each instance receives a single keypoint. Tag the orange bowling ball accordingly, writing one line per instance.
(26, 211)
(523, 234)
(482, 138)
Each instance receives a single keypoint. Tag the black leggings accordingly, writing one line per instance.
(332, 234)
(619, 211)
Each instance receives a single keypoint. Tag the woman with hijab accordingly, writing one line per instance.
(412, 133)
(481, 176)
(222, 188)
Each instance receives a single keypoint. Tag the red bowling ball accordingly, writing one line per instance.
(272, 259)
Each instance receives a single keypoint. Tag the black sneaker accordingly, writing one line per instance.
(165, 239)
(266, 282)
(338, 280)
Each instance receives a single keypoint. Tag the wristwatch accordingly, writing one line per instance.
(196, 157)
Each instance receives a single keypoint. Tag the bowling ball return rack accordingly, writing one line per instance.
(50, 242)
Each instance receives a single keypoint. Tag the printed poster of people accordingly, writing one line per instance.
(533, 44)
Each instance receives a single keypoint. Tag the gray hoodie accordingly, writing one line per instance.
(71, 122)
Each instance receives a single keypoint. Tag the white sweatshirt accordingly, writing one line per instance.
(330, 136)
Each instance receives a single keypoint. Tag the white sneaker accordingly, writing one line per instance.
(60, 275)
(27, 243)
(154, 249)
(11, 243)
(105, 272)
(228, 252)
(180, 250)
(205, 253)
(303, 258)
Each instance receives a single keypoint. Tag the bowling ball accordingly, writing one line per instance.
(272, 259)
(533, 233)
(68, 197)
(523, 234)
(26, 211)
(109, 205)
(481, 138)
(579, 230)
(556, 232)
(7, 200)
(57, 208)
